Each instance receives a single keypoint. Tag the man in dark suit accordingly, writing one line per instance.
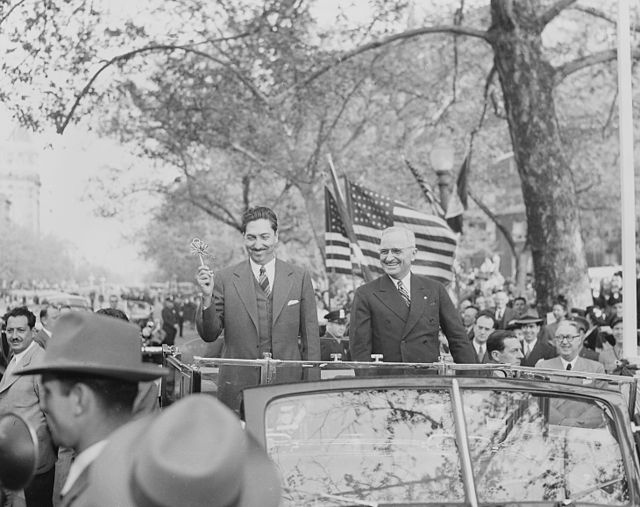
(89, 376)
(399, 314)
(263, 304)
(48, 315)
(502, 313)
(483, 327)
(23, 395)
(504, 347)
(534, 347)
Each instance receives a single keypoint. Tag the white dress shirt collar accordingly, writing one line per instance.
(406, 281)
(82, 461)
(565, 363)
(269, 267)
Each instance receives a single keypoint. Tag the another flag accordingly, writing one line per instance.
(337, 249)
(458, 200)
(371, 212)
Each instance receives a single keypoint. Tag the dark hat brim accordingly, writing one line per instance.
(139, 374)
(110, 480)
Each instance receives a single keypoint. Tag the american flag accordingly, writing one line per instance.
(372, 212)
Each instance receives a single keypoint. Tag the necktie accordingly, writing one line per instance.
(481, 353)
(263, 280)
(569, 367)
(527, 350)
(403, 292)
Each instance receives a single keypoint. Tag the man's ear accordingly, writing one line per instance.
(81, 398)
(495, 356)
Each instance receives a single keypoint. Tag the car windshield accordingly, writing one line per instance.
(369, 446)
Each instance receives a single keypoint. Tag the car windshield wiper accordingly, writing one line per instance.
(584, 492)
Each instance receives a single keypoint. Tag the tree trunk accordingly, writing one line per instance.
(548, 188)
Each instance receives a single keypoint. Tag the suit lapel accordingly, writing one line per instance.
(244, 284)
(6, 383)
(419, 299)
(281, 287)
(387, 293)
(77, 488)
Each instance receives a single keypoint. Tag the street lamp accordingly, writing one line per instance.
(441, 156)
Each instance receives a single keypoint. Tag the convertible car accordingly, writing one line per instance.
(443, 434)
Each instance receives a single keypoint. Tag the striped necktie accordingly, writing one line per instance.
(263, 280)
(403, 292)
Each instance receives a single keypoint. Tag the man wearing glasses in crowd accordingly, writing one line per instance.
(568, 342)
(400, 314)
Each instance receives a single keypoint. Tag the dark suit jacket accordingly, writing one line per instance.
(508, 315)
(21, 394)
(377, 325)
(294, 332)
(541, 350)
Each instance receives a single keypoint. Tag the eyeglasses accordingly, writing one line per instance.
(566, 337)
(393, 251)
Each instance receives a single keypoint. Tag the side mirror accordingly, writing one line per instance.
(18, 452)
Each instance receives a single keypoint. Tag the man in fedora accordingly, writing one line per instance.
(534, 347)
(90, 374)
(194, 453)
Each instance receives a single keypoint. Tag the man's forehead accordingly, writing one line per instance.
(260, 226)
(565, 327)
(17, 320)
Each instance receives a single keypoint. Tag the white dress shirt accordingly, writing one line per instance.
(269, 267)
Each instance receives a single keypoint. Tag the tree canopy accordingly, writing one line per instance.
(245, 99)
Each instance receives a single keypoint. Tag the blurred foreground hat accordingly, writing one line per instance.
(18, 452)
(84, 342)
(527, 318)
(193, 454)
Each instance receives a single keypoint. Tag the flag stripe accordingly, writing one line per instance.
(372, 212)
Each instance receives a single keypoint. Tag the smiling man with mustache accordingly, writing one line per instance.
(263, 305)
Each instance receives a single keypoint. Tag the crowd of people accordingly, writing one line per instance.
(80, 380)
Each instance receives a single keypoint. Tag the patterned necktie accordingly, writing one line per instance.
(403, 292)
(569, 367)
(263, 280)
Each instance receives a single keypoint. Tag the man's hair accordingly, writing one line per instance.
(561, 301)
(408, 234)
(496, 340)
(520, 298)
(116, 396)
(113, 312)
(258, 213)
(487, 315)
(22, 311)
(472, 307)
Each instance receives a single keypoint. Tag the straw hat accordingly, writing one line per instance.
(193, 454)
(84, 342)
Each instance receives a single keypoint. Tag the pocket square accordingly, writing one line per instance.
(293, 302)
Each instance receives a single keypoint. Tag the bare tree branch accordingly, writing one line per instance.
(13, 8)
(248, 153)
(505, 232)
(550, 14)
(607, 55)
(158, 47)
(409, 34)
(602, 15)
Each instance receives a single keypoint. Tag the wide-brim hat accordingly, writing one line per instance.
(193, 454)
(527, 318)
(84, 342)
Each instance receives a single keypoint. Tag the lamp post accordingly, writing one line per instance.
(441, 156)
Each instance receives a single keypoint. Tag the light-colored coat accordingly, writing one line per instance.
(582, 364)
(21, 395)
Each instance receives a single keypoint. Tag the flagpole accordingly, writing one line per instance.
(347, 222)
(627, 182)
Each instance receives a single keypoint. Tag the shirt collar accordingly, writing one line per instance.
(82, 461)
(406, 281)
(565, 362)
(270, 268)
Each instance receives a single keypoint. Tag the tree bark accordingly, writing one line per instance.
(548, 188)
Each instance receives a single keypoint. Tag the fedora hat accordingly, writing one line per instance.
(527, 318)
(84, 342)
(193, 454)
